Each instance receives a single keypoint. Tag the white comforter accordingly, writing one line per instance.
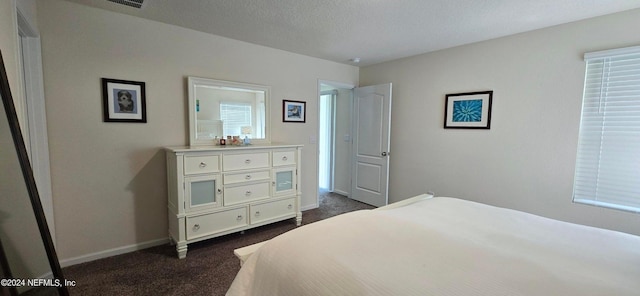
(443, 246)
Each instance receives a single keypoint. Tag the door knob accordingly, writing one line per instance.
(384, 153)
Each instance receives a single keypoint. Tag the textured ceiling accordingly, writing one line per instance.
(372, 30)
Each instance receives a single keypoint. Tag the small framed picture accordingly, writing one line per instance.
(468, 110)
(293, 111)
(123, 101)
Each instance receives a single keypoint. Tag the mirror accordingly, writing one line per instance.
(28, 260)
(219, 109)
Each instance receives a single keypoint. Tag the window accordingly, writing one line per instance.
(608, 159)
(234, 116)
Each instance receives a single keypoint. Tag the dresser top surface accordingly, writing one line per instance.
(230, 147)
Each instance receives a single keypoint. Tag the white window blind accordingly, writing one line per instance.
(608, 159)
(234, 116)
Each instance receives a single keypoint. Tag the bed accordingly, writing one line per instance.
(443, 246)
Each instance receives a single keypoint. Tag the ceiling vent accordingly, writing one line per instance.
(131, 3)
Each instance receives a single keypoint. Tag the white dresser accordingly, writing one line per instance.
(217, 190)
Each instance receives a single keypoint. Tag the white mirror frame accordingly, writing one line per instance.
(192, 82)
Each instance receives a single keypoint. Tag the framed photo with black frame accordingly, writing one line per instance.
(468, 110)
(293, 111)
(123, 101)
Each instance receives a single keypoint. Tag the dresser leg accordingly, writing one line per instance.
(181, 248)
(299, 219)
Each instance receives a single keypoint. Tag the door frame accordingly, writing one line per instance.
(337, 85)
(31, 84)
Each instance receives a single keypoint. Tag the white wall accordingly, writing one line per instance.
(526, 160)
(109, 183)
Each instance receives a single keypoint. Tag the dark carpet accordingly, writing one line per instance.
(209, 268)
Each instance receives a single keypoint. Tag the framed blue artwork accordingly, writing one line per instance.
(468, 110)
(293, 111)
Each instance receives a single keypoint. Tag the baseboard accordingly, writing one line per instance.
(112, 252)
(309, 207)
(338, 191)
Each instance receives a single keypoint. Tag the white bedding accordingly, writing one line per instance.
(443, 246)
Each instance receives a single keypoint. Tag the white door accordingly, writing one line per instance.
(371, 134)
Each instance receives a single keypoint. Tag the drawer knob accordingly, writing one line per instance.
(284, 158)
(203, 164)
(257, 213)
(196, 227)
(289, 207)
(248, 177)
(239, 218)
(247, 193)
(248, 161)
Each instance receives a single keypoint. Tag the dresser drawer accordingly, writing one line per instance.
(202, 225)
(272, 210)
(284, 158)
(201, 164)
(232, 162)
(245, 193)
(246, 177)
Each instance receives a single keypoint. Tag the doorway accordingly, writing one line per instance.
(326, 140)
(334, 138)
(354, 142)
